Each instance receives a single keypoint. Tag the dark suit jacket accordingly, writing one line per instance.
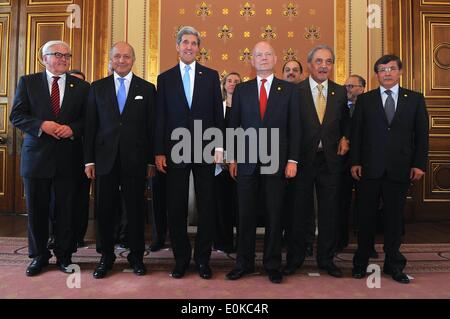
(335, 125)
(172, 110)
(128, 135)
(282, 112)
(393, 149)
(44, 156)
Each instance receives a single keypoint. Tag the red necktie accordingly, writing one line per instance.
(54, 97)
(262, 99)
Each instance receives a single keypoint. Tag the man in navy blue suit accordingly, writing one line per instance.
(188, 93)
(389, 151)
(49, 109)
(119, 155)
(264, 104)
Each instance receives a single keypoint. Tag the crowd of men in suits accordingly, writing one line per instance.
(118, 131)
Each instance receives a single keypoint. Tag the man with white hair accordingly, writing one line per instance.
(48, 108)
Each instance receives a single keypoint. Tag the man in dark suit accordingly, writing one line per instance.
(49, 108)
(270, 104)
(119, 154)
(188, 94)
(159, 211)
(325, 124)
(389, 151)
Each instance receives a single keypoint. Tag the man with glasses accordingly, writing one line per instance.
(324, 130)
(49, 109)
(389, 151)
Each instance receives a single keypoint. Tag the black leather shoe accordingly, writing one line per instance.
(275, 276)
(102, 269)
(156, 247)
(204, 271)
(237, 273)
(63, 265)
(359, 272)
(398, 276)
(309, 252)
(178, 272)
(289, 270)
(332, 270)
(138, 267)
(36, 266)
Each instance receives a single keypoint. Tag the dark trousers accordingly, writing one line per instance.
(108, 194)
(159, 217)
(345, 206)
(249, 188)
(177, 207)
(83, 208)
(38, 199)
(393, 195)
(301, 197)
(226, 209)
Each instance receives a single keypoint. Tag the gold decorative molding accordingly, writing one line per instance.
(433, 190)
(8, 3)
(436, 59)
(3, 118)
(154, 52)
(3, 152)
(4, 52)
(56, 2)
(340, 40)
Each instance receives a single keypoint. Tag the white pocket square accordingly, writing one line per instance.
(138, 97)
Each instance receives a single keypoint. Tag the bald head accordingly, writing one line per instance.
(264, 59)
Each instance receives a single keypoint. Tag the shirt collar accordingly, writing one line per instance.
(183, 65)
(127, 77)
(269, 79)
(313, 83)
(393, 89)
(50, 75)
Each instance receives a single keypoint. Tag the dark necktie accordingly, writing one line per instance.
(352, 109)
(54, 97)
(389, 106)
(262, 99)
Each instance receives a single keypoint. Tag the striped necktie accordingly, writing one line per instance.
(54, 97)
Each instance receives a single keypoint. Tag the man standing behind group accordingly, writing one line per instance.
(49, 108)
(325, 124)
(293, 71)
(273, 105)
(389, 151)
(119, 154)
(188, 92)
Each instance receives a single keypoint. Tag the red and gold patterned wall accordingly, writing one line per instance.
(230, 29)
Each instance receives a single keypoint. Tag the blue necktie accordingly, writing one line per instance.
(389, 106)
(121, 94)
(187, 85)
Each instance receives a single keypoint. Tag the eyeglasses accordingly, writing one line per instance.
(387, 69)
(59, 55)
(351, 86)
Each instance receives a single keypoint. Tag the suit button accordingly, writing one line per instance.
(120, 124)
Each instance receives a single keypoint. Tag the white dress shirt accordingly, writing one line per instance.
(394, 94)
(267, 85)
(127, 82)
(191, 74)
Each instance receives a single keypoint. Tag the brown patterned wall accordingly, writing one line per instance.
(230, 29)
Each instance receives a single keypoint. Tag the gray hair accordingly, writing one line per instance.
(46, 48)
(114, 45)
(188, 30)
(317, 48)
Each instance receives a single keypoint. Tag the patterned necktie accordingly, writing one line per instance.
(54, 97)
(389, 106)
(187, 85)
(121, 95)
(262, 99)
(321, 103)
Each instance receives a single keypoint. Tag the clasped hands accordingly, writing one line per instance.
(56, 130)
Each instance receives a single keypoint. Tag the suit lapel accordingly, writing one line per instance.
(331, 101)
(112, 95)
(275, 89)
(198, 77)
(43, 87)
(178, 83)
(254, 96)
(401, 104)
(68, 95)
(132, 91)
(307, 91)
(380, 106)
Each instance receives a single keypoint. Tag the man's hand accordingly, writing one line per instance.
(90, 171)
(290, 170)
(64, 131)
(151, 171)
(356, 172)
(49, 128)
(218, 157)
(233, 170)
(343, 146)
(161, 164)
(416, 174)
